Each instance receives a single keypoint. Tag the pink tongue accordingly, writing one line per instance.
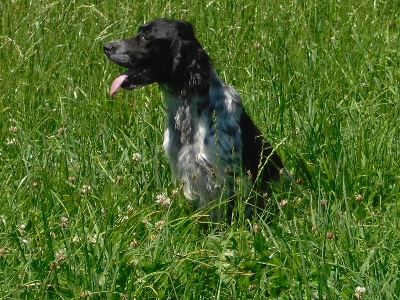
(117, 84)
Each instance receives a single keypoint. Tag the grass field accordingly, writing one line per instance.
(80, 172)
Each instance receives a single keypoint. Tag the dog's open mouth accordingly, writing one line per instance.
(131, 79)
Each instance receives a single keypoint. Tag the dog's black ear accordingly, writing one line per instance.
(179, 57)
(191, 66)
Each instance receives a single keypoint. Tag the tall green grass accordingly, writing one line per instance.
(80, 172)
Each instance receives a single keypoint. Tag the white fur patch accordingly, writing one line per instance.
(205, 155)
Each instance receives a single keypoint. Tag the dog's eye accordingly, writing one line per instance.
(144, 37)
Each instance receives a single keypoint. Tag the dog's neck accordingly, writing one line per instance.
(182, 116)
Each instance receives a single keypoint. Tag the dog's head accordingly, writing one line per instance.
(163, 51)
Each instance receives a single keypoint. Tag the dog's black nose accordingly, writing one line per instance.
(108, 47)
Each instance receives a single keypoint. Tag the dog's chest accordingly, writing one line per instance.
(193, 151)
(189, 141)
(203, 141)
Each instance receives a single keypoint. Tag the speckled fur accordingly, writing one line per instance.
(204, 146)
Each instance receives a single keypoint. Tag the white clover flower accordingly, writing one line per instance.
(359, 292)
(64, 222)
(163, 200)
(21, 228)
(60, 256)
(136, 157)
(11, 141)
(93, 239)
(358, 197)
(86, 189)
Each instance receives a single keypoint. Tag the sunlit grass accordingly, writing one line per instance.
(88, 205)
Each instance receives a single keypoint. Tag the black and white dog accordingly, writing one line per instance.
(209, 138)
